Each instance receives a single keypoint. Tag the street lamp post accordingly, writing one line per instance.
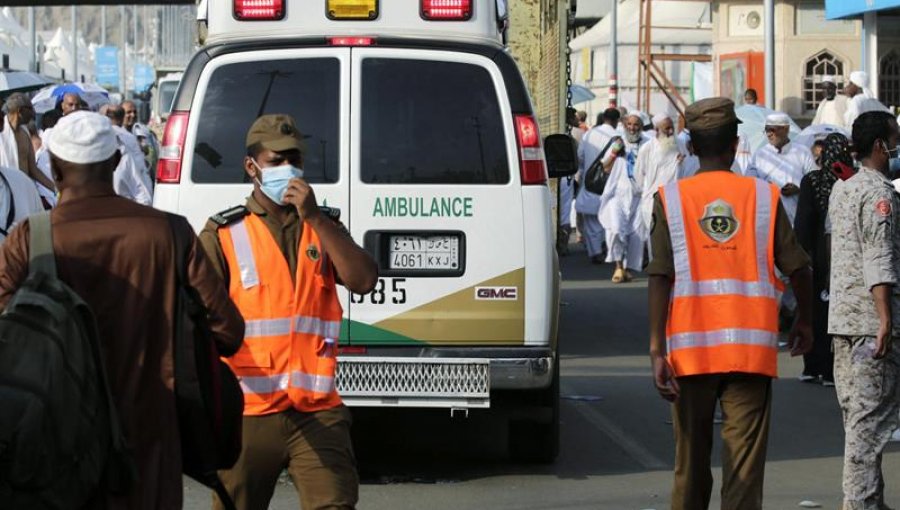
(75, 44)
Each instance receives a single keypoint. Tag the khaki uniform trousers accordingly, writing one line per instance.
(746, 401)
(316, 450)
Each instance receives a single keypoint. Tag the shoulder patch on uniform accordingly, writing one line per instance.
(883, 207)
(229, 216)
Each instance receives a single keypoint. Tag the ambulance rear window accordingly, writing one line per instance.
(308, 89)
(430, 122)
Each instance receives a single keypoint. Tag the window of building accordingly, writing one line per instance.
(888, 74)
(823, 64)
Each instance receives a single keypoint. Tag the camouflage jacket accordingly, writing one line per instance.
(865, 252)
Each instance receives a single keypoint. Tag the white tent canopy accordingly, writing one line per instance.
(688, 30)
(13, 42)
(59, 53)
(690, 18)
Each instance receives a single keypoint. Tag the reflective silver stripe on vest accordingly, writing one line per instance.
(280, 382)
(244, 253)
(725, 286)
(675, 218)
(261, 384)
(317, 326)
(311, 382)
(686, 286)
(763, 222)
(299, 324)
(723, 337)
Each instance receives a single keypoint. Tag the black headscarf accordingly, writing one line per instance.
(836, 163)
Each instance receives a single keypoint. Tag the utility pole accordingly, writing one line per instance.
(123, 80)
(769, 35)
(103, 26)
(32, 21)
(614, 54)
(75, 44)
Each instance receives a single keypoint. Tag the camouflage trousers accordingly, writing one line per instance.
(869, 395)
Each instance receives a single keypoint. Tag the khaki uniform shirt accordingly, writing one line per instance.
(789, 255)
(865, 252)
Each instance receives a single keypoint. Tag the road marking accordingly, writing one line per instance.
(633, 448)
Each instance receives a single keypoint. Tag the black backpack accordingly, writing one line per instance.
(208, 395)
(596, 176)
(60, 440)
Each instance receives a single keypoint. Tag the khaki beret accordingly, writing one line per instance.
(711, 113)
(276, 132)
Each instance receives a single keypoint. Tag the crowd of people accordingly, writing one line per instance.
(26, 180)
(818, 218)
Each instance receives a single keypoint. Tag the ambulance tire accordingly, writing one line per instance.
(538, 441)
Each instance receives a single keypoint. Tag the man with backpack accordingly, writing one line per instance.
(595, 144)
(119, 258)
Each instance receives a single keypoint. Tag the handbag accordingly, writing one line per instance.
(595, 177)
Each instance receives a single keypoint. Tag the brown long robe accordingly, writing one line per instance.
(118, 256)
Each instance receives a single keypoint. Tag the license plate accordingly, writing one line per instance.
(433, 252)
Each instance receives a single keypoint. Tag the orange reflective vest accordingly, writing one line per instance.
(288, 355)
(723, 315)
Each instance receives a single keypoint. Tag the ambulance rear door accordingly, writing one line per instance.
(436, 196)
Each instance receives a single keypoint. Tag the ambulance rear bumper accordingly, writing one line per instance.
(440, 377)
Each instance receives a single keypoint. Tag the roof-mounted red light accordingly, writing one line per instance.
(351, 41)
(446, 10)
(259, 10)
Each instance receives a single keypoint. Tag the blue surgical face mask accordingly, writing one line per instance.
(273, 181)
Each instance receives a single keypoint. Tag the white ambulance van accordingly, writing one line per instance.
(419, 128)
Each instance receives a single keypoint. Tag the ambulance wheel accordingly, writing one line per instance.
(538, 441)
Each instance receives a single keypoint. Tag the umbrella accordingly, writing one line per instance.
(753, 125)
(46, 99)
(581, 94)
(818, 132)
(21, 81)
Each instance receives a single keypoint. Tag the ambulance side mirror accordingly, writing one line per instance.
(562, 158)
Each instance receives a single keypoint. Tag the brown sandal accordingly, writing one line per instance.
(618, 276)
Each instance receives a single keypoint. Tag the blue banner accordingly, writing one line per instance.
(836, 9)
(106, 66)
(144, 77)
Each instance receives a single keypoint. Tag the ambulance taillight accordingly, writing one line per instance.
(168, 169)
(531, 152)
(446, 10)
(259, 10)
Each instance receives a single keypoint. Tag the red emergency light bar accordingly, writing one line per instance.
(258, 10)
(446, 10)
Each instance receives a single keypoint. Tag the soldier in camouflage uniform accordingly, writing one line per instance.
(864, 314)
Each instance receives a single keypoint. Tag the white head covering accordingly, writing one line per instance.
(659, 118)
(828, 79)
(83, 137)
(860, 79)
(778, 119)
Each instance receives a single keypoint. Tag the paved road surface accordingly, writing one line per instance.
(617, 446)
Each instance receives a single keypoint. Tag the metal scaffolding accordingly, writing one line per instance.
(650, 71)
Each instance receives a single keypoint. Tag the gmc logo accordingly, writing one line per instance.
(496, 293)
